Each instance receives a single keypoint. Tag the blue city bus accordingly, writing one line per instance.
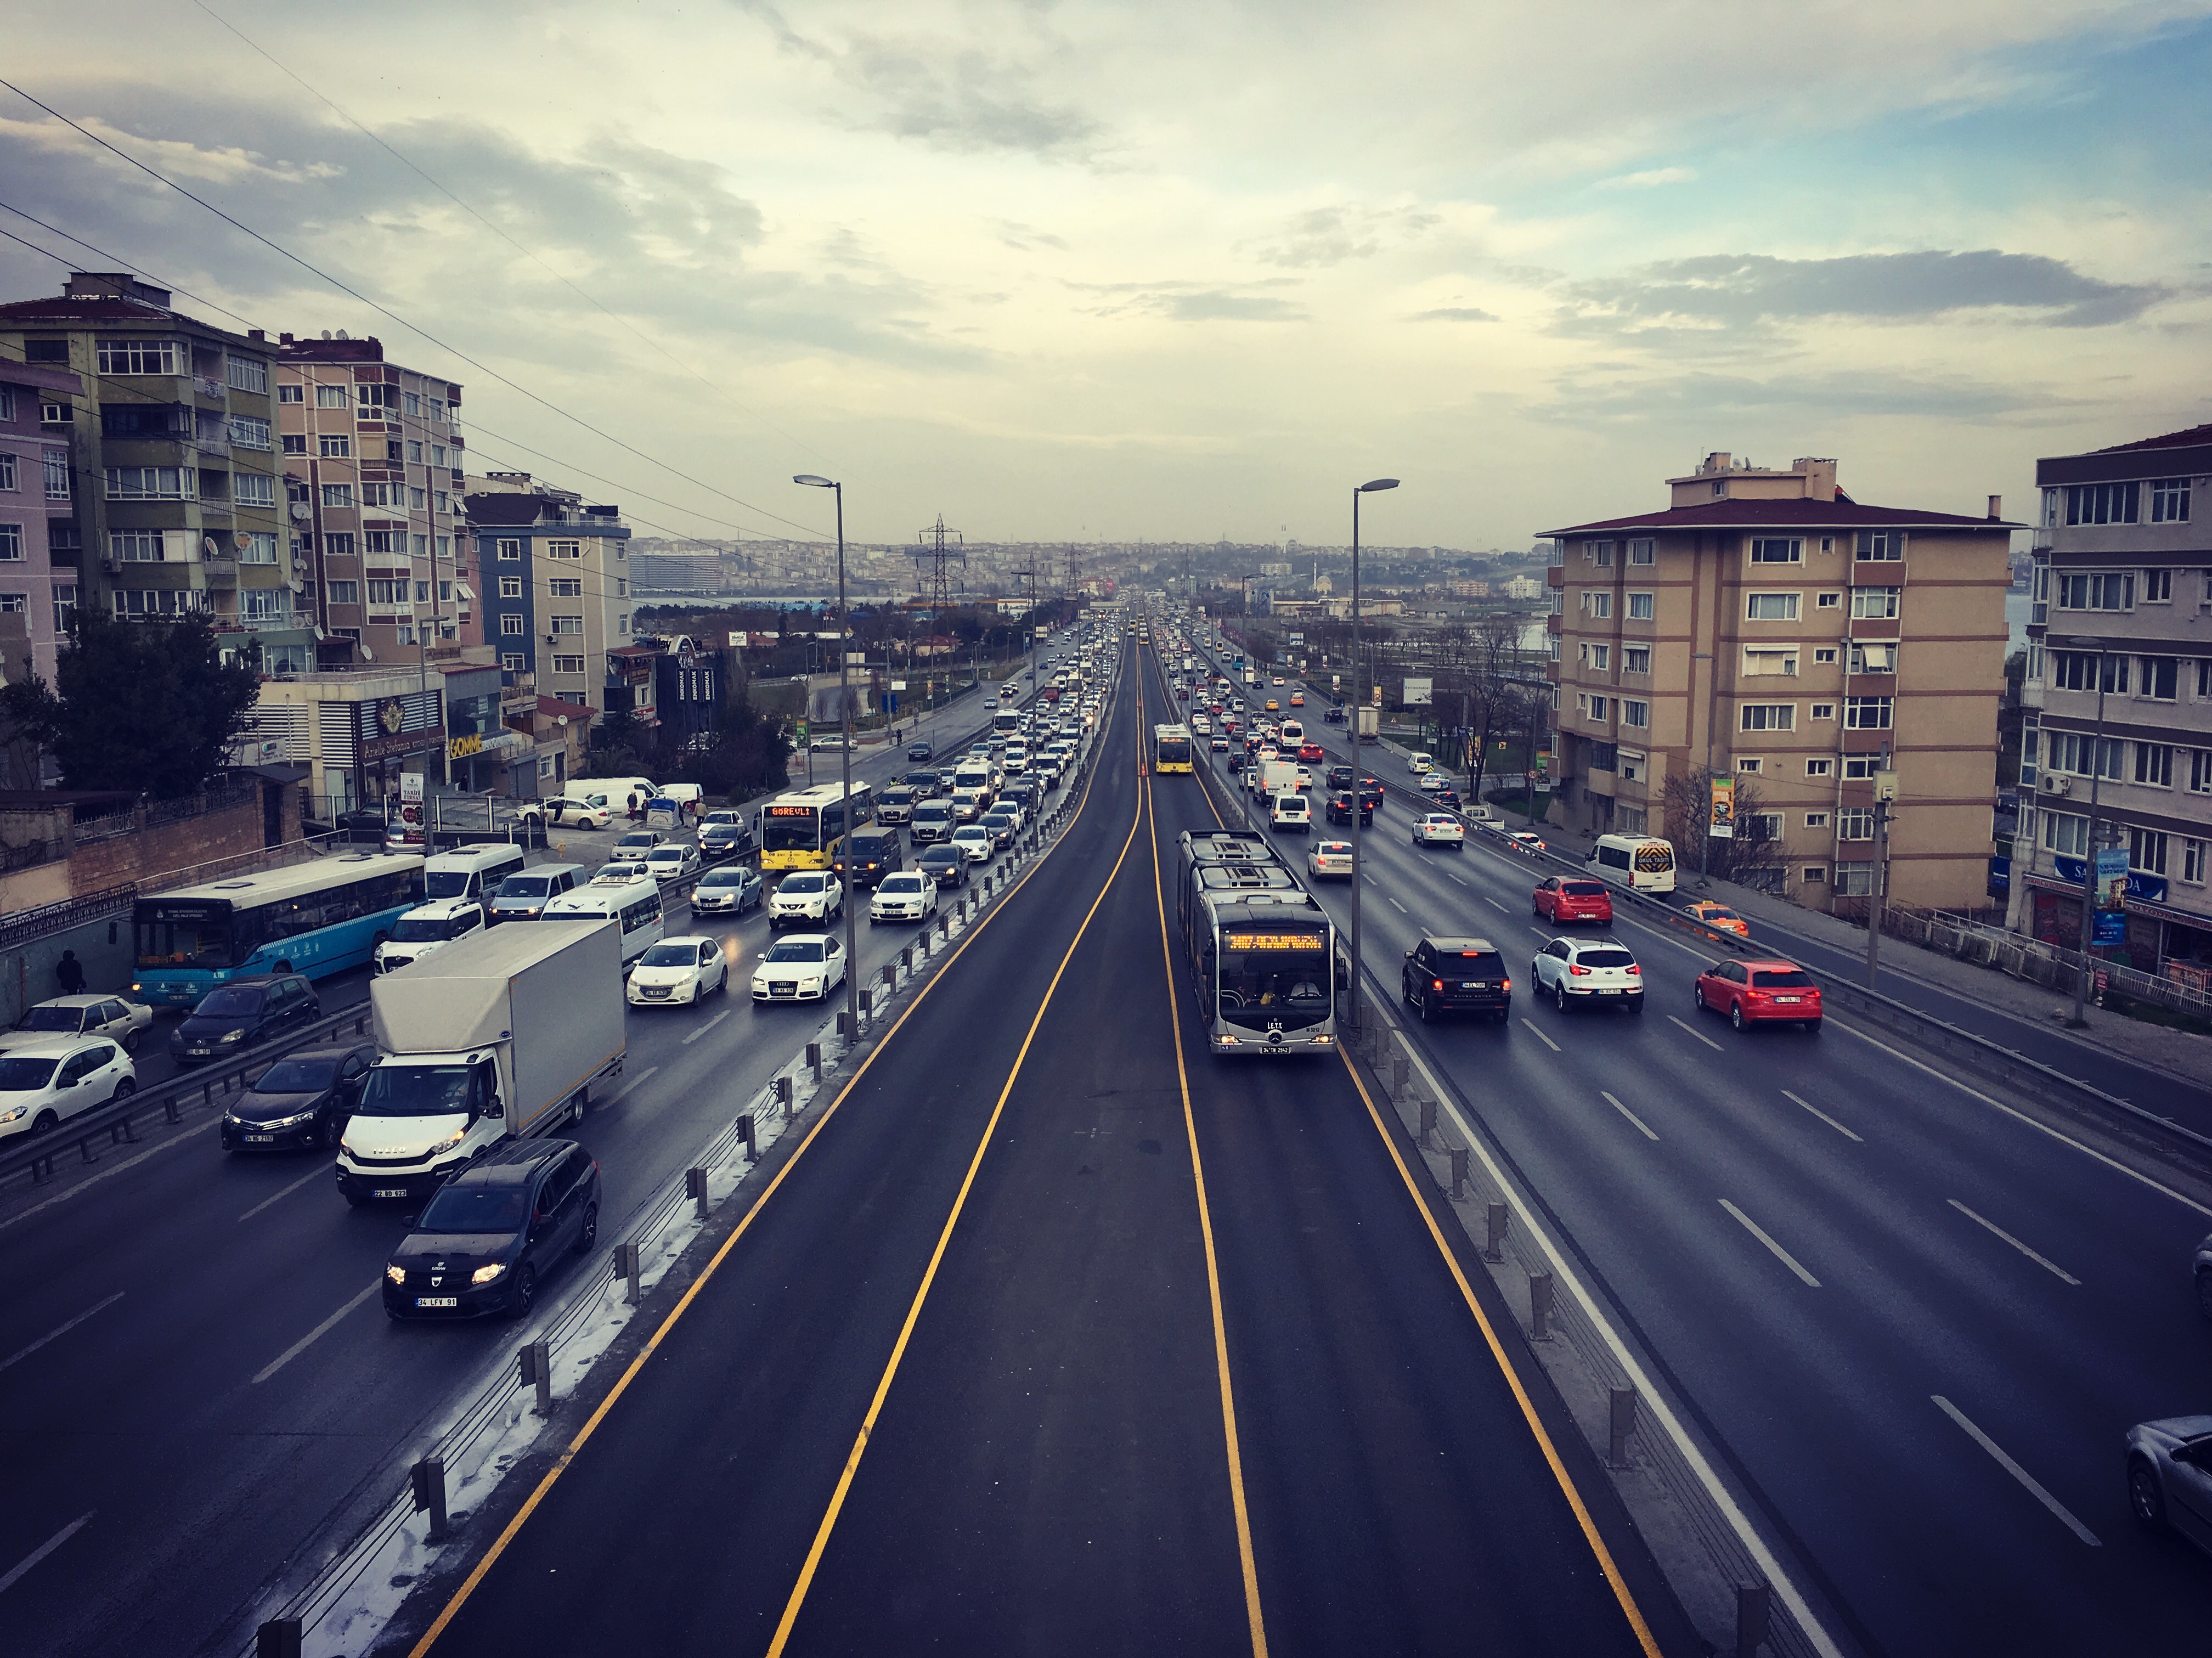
(317, 918)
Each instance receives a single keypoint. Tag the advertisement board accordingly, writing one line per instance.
(1722, 826)
(1417, 692)
(2110, 924)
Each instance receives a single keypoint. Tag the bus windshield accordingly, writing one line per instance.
(1173, 751)
(1286, 968)
(790, 828)
(184, 935)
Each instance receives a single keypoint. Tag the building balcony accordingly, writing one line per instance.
(209, 391)
(220, 572)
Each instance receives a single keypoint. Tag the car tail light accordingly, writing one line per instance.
(1635, 970)
(1576, 970)
(1506, 985)
(1436, 984)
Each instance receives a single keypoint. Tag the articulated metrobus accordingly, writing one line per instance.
(1264, 960)
(315, 918)
(1171, 748)
(796, 829)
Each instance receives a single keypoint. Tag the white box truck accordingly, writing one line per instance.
(1368, 724)
(496, 1036)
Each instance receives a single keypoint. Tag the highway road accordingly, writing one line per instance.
(1058, 1336)
(194, 1372)
(1938, 1275)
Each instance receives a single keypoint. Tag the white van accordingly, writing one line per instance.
(1291, 811)
(618, 790)
(1642, 862)
(1291, 733)
(472, 871)
(633, 899)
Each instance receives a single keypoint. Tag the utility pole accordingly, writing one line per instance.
(845, 763)
(936, 557)
(2089, 838)
(1885, 790)
(1359, 703)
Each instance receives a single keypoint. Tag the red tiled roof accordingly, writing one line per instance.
(553, 706)
(1795, 512)
(2189, 439)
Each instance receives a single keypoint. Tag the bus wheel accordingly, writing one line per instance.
(284, 967)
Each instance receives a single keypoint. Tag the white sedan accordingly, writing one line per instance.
(974, 842)
(1434, 782)
(678, 970)
(118, 1016)
(907, 896)
(673, 861)
(1330, 859)
(803, 969)
(44, 1081)
(1439, 829)
(1525, 840)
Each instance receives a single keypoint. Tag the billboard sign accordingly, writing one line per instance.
(2110, 924)
(1722, 826)
(1417, 692)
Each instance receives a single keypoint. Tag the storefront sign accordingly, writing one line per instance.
(386, 728)
(462, 747)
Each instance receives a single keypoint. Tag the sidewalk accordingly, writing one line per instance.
(2181, 1052)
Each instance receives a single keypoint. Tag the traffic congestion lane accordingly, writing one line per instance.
(274, 1260)
(769, 1376)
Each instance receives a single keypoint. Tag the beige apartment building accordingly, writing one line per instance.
(2122, 597)
(1767, 627)
(372, 461)
(557, 574)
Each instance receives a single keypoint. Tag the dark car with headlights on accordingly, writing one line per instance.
(943, 864)
(490, 1235)
(725, 834)
(232, 1018)
(300, 1103)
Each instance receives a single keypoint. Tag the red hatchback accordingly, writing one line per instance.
(1761, 993)
(1312, 752)
(1563, 899)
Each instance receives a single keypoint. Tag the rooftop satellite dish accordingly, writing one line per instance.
(342, 335)
(326, 333)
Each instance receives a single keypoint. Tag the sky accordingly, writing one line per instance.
(1093, 271)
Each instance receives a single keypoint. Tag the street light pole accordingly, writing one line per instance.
(1705, 830)
(1359, 705)
(845, 767)
(2089, 840)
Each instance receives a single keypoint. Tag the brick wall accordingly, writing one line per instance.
(160, 849)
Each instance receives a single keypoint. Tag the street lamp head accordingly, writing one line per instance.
(813, 481)
(1369, 487)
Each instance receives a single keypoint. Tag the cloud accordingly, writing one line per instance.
(1650, 179)
(1695, 397)
(1736, 291)
(1024, 239)
(1330, 235)
(1218, 305)
(1453, 313)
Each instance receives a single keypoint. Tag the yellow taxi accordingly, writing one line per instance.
(1719, 917)
(1273, 706)
(1297, 699)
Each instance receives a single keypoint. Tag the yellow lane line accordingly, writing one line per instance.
(560, 1465)
(936, 1257)
(1566, 1481)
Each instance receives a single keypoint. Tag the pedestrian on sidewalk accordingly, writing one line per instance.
(70, 972)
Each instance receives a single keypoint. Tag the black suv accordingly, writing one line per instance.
(487, 1236)
(1456, 975)
(233, 1017)
(1340, 809)
(876, 853)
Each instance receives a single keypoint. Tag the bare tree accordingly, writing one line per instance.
(1751, 857)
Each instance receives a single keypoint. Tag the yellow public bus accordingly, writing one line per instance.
(1171, 748)
(797, 829)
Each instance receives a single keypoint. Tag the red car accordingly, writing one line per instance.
(1563, 899)
(1312, 752)
(1761, 993)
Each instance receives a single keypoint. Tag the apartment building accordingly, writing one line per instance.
(172, 504)
(556, 576)
(35, 485)
(2117, 698)
(372, 463)
(1767, 627)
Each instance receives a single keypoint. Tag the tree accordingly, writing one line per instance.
(149, 707)
(1749, 856)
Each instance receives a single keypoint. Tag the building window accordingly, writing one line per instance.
(7, 472)
(11, 544)
(257, 547)
(249, 432)
(1770, 607)
(622, 588)
(568, 624)
(253, 489)
(138, 546)
(2157, 587)
(510, 552)
(567, 664)
(1880, 546)
(1879, 656)
(2154, 764)
(1824, 711)
(250, 374)
(2147, 851)
(1778, 549)
(1815, 820)
(564, 550)
(290, 394)
(1860, 768)
(1854, 823)
(1854, 880)
(2066, 833)
(334, 445)
(1868, 714)
(510, 586)
(2102, 503)
(2169, 500)
(1770, 716)
(2089, 591)
(406, 632)
(512, 662)
(1599, 553)
(622, 622)
(1642, 607)
(511, 625)
(1640, 552)
(564, 587)
(1819, 767)
(1763, 827)
(57, 468)
(2078, 670)
(337, 495)
(1752, 766)
(137, 356)
(1875, 603)
(1767, 662)
(341, 592)
(2159, 675)
(1829, 602)
(388, 543)
(2200, 771)
(338, 545)
(2082, 754)
(1824, 655)
(295, 444)
(1597, 605)
(64, 605)
(152, 484)
(422, 592)
(1816, 875)
(1635, 713)
(2192, 862)
(1636, 659)
(387, 592)
(374, 397)
(333, 397)
(1599, 657)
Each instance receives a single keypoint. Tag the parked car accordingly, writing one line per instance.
(730, 890)
(680, 969)
(363, 828)
(46, 1082)
(491, 1232)
(1560, 898)
(570, 811)
(1761, 993)
(300, 1102)
(1454, 975)
(233, 1017)
(116, 1016)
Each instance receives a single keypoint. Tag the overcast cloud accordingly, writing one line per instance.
(1180, 271)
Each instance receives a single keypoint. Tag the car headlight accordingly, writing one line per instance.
(486, 1273)
(13, 1113)
(293, 1121)
(395, 1273)
(449, 1141)
(232, 1036)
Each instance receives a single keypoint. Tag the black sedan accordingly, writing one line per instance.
(300, 1103)
(945, 866)
(233, 1017)
(482, 1243)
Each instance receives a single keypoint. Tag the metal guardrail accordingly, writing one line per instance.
(116, 1123)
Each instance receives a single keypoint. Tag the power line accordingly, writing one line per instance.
(385, 311)
(526, 253)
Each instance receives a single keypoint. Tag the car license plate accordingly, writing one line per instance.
(1789, 999)
(1606, 991)
(389, 1191)
(654, 990)
(258, 1139)
(437, 1301)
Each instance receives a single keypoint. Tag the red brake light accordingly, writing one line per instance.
(1578, 970)
(1509, 984)
(1636, 970)
(1436, 984)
